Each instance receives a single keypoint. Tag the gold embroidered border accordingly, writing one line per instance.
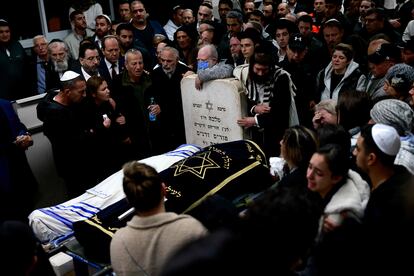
(221, 185)
(109, 233)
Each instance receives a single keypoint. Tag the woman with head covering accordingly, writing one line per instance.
(399, 115)
(398, 81)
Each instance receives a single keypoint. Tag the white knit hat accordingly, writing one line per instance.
(386, 138)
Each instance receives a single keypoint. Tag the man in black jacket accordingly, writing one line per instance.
(166, 86)
(71, 140)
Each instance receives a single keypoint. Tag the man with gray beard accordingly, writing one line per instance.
(59, 63)
(166, 87)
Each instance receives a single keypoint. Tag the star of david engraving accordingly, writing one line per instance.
(209, 106)
(199, 170)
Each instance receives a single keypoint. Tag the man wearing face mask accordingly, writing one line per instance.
(269, 93)
(208, 67)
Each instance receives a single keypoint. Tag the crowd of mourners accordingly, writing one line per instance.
(330, 92)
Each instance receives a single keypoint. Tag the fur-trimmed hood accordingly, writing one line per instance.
(352, 196)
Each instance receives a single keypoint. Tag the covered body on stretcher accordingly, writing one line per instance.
(53, 223)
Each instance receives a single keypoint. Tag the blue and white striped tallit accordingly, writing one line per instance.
(56, 221)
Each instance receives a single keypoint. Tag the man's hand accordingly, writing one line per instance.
(154, 109)
(120, 120)
(246, 122)
(395, 23)
(262, 108)
(24, 141)
(198, 83)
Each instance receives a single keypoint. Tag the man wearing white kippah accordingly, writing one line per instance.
(103, 25)
(71, 139)
(388, 219)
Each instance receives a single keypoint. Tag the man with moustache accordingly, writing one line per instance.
(89, 60)
(166, 80)
(103, 28)
(59, 63)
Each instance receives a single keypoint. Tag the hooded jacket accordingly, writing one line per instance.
(349, 81)
(352, 197)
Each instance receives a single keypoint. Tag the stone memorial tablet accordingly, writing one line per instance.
(211, 114)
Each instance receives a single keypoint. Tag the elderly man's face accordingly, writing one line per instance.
(168, 61)
(204, 55)
(59, 58)
(40, 46)
(134, 65)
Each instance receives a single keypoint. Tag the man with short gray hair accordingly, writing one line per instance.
(166, 85)
(208, 66)
(40, 61)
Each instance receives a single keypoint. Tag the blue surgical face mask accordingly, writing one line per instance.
(202, 64)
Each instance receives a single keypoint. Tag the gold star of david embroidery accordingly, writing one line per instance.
(199, 170)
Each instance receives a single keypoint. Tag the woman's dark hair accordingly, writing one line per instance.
(346, 49)
(353, 109)
(92, 85)
(337, 158)
(334, 134)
